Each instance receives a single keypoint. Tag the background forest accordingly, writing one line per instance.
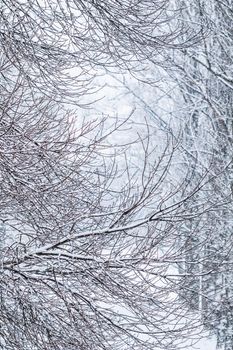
(116, 175)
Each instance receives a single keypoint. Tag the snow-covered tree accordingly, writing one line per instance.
(59, 46)
(94, 247)
(204, 78)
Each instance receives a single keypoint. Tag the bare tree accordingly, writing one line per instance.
(56, 44)
(91, 243)
(204, 79)
(89, 257)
